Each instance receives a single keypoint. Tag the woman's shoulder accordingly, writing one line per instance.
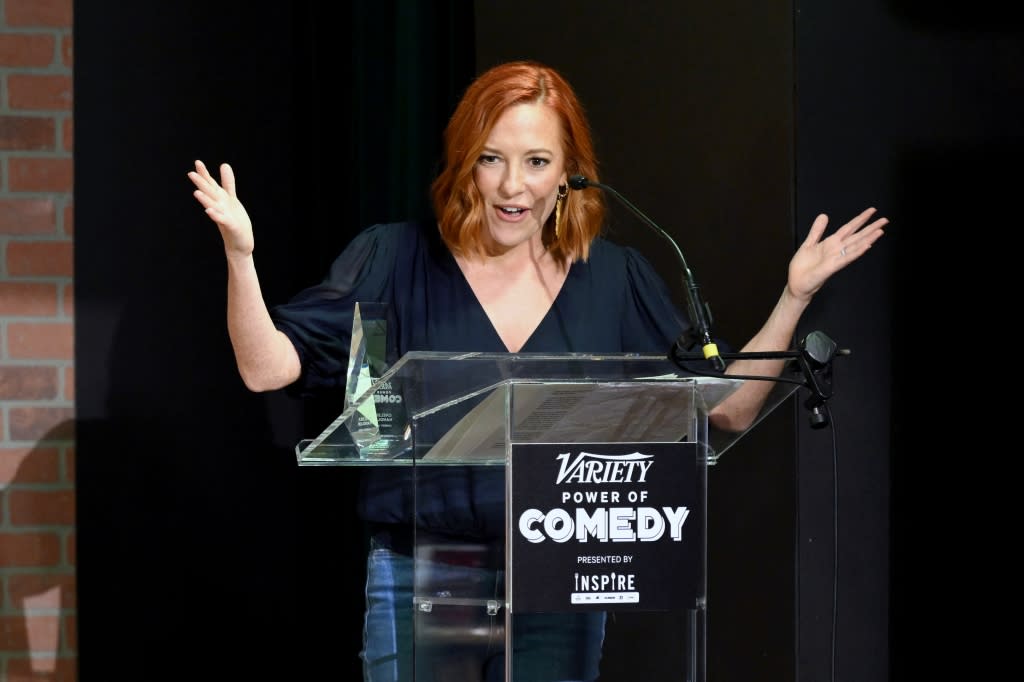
(607, 253)
(399, 232)
(393, 240)
(625, 265)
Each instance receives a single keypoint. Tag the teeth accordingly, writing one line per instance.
(514, 211)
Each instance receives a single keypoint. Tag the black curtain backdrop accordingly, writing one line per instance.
(204, 552)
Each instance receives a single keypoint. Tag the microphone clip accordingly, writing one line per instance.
(812, 360)
(817, 351)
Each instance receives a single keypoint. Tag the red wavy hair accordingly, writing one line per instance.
(458, 204)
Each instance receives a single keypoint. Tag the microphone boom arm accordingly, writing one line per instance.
(813, 359)
(700, 313)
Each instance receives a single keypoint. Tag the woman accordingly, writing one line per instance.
(514, 263)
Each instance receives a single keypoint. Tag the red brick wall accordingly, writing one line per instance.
(37, 373)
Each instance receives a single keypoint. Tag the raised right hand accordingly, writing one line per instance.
(222, 205)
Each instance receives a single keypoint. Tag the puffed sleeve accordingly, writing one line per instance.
(318, 320)
(652, 320)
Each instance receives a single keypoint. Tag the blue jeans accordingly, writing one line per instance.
(547, 647)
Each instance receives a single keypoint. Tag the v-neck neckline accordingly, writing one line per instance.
(482, 311)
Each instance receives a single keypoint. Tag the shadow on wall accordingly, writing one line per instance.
(203, 551)
(38, 625)
(185, 558)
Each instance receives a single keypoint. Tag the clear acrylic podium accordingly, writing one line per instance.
(604, 464)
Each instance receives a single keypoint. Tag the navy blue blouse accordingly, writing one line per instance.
(613, 302)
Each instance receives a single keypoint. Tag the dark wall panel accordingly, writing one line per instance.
(841, 158)
(915, 108)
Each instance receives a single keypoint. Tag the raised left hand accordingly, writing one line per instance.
(818, 259)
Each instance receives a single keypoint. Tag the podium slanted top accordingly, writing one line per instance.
(561, 397)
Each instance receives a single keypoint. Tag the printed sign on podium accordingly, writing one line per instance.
(601, 526)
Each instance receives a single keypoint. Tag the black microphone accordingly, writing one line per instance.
(700, 314)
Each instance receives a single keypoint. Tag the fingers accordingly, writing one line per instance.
(202, 179)
(856, 245)
(855, 229)
(227, 179)
(871, 233)
(211, 195)
(857, 223)
(201, 170)
(817, 229)
(204, 199)
(208, 190)
(856, 232)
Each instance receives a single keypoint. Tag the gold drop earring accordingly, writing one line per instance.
(563, 193)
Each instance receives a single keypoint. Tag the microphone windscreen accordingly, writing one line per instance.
(578, 182)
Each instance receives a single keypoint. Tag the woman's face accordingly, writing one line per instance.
(518, 174)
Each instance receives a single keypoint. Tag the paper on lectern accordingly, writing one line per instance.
(627, 412)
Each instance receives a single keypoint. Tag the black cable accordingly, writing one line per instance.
(835, 537)
(819, 385)
(681, 363)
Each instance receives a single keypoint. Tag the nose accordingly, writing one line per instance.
(511, 181)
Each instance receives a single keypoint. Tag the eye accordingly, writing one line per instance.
(538, 162)
(488, 159)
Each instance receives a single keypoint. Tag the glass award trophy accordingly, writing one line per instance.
(379, 427)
